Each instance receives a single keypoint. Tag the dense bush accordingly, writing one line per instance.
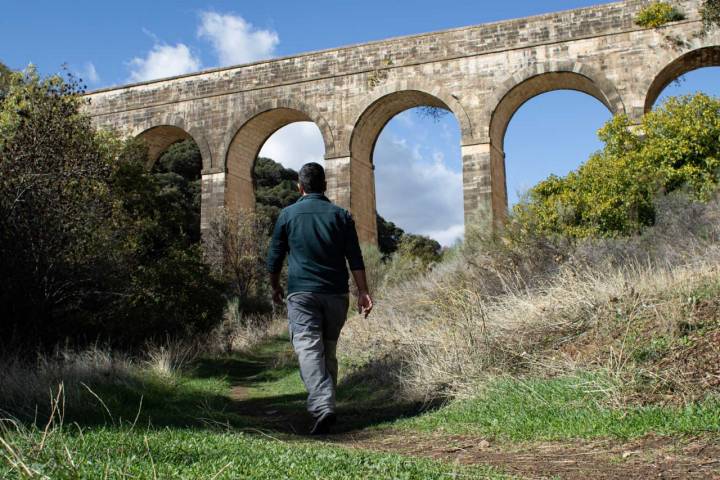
(92, 245)
(658, 14)
(675, 147)
(389, 236)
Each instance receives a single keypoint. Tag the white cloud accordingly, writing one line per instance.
(295, 145)
(448, 236)
(235, 40)
(89, 73)
(163, 61)
(418, 191)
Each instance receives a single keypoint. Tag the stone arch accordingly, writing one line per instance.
(541, 78)
(522, 87)
(687, 62)
(426, 91)
(378, 109)
(160, 135)
(246, 138)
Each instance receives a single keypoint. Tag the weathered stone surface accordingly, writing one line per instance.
(483, 74)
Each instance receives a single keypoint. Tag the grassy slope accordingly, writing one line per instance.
(209, 423)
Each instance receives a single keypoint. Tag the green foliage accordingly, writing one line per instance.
(182, 158)
(613, 192)
(97, 246)
(710, 13)
(393, 239)
(169, 287)
(53, 203)
(177, 172)
(658, 14)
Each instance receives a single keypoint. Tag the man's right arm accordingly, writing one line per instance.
(365, 302)
(353, 253)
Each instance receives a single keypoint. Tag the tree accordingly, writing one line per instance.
(88, 236)
(178, 174)
(613, 192)
(53, 204)
(389, 236)
(236, 247)
(275, 188)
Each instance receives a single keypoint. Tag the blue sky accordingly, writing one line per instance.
(417, 159)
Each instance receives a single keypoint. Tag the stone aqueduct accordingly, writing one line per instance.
(482, 74)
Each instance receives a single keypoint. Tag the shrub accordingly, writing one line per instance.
(424, 249)
(658, 14)
(612, 193)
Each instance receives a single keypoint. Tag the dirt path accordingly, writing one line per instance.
(645, 458)
(283, 415)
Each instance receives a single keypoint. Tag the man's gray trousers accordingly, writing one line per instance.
(315, 321)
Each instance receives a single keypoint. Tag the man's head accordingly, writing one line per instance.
(311, 178)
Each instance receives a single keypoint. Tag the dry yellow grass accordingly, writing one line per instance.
(621, 307)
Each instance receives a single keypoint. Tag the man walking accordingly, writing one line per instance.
(319, 237)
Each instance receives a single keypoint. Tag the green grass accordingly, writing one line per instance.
(564, 408)
(191, 426)
(196, 454)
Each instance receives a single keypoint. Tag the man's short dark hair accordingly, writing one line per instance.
(312, 178)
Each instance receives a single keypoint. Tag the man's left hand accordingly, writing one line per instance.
(278, 295)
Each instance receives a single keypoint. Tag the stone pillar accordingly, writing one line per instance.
(212, 200)
(337, 174)
(485, 198)
(239, 192)
(362, 200)
(498, 185)
(351, 184)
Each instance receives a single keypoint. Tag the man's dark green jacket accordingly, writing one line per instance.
(318, 236)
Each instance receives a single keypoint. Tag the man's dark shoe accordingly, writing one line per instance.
(323, 424)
